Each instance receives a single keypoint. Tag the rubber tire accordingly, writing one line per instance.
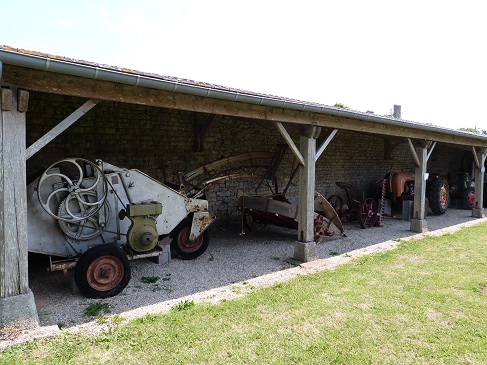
(467, 203)
(181, 232)
(434, 191)
(94, 253)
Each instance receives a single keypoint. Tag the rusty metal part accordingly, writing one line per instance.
(105, 273)
(273, 210)
(201, 221)
(367, 213)
(336, 202)
(227, 161)
(397, 183)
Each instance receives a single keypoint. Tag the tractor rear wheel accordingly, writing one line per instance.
(439, 195)
(103, 271)
(468, 199)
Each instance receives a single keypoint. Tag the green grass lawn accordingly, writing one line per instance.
(422, 303)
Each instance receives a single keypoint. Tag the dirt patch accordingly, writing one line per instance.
(484, 290)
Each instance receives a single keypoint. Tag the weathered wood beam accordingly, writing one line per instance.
(305, 250)
(325, 144)
(36, 80)
(13, 200)
(418, 222)
(60, 128)
(480, 156)
(290, 142)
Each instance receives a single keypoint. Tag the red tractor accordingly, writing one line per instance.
(400, 187)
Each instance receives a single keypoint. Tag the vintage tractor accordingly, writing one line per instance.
(400, 187)
(96, 217)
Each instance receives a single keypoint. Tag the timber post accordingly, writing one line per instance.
(418, 221)
(17, 306)
(305, 249)
(479, 156)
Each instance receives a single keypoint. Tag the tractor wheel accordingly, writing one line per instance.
(336, 202)
(181, 245)
(438, 195)
(367, 213)
(103, 271)
(468, 199)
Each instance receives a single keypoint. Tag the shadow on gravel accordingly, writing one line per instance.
(231, 258)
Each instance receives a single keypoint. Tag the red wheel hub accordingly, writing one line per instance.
(105, 273)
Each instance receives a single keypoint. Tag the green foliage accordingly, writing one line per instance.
(471, 130)
(150, 279)
(340, 105)
(95, 309)
(184, 305)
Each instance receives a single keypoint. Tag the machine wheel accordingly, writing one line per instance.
(103, 271)
(468, 199)
(251, 223)
(367, 213)
(79, 182)
(438, 195)
(336, 202)
(181, 245)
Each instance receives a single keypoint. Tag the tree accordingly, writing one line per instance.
(471, 130)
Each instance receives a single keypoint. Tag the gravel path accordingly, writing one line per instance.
(232, 265)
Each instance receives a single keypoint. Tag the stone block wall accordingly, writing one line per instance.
(160, 141)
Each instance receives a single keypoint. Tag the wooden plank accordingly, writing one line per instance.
(307, 190)
(61, 127)
(6, 99)
(325, 144)
(49, 82)
(480, 156)
(418, 223)
(290, 142)
(13, 203)
(23, 101)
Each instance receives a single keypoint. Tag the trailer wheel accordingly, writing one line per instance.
(367, 213)
(439, 195)
(468, 201)
(103, 271)
(185, 249)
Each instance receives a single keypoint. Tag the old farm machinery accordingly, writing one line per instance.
(258, 211)
(96, 217)
(365, 210)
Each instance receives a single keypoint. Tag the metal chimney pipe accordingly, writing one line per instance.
(397, 112)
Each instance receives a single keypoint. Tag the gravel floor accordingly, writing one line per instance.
(231, 261)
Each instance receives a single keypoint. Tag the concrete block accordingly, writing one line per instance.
(305, 251)
(18, 310)
(407, 210)
(419, 225)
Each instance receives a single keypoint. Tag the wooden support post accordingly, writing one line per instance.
(16, 300)
(305, 250)
(480, 156)
(418, 222)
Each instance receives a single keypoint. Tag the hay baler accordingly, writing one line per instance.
(95, 217)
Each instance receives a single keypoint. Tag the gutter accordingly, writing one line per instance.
(61, 66)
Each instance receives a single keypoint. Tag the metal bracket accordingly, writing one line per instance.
(61, 127)
(290, 142)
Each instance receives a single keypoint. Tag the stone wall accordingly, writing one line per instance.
(161, 141)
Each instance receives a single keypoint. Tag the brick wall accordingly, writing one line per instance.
(160, 141)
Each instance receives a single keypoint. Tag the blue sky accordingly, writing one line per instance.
(427, 56)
